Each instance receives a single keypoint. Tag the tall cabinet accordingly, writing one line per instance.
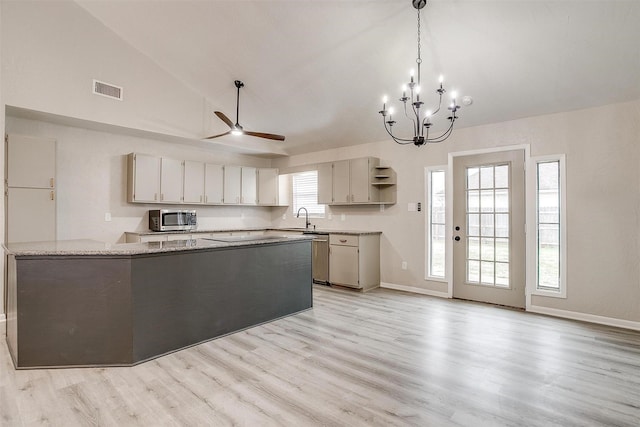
(30, 189)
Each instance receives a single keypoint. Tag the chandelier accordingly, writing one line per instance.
(421, 120)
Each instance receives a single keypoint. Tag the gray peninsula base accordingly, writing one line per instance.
(121, 310)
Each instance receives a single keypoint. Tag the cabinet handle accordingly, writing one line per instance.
(52, 195)
(51, 182)
(155, 196)
(206, 198)
(200, 199)
(343, 240)
(161, 196)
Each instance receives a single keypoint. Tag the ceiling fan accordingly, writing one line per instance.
(236, 129)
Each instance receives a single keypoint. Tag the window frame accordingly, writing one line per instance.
(534, 227)
(428, 171)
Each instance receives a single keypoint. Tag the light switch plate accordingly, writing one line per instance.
(107, 216)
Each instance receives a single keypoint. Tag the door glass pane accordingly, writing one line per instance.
(486, 201)
(502, 176)
(473, 225)
(488, 225)
(486, 177)
(473, 178)
(473, 201)
(437, 250)
(548, 224)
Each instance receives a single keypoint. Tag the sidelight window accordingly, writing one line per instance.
(436, 247)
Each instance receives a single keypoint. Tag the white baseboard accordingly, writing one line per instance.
(585, 317)
(414, 290)
(573, 315)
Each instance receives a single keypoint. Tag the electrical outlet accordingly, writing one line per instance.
(343, 217)
(107, 216)
(381, 208)
(284, 216)
(404, 265)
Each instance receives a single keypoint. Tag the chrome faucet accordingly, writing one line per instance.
(307, 223)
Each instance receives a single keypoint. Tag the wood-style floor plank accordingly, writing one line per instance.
(384, 358)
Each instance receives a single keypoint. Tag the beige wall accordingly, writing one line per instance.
(602, 147)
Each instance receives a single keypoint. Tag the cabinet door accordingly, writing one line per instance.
(31, 215)
(359, 180)
(268, 187)
(31, 162)
(171, 180)
(232, 184)
(213, 183)
(193, 182)
(146, 178)
(343, 265)
(341, 193)
(325, 183)
(249, 186)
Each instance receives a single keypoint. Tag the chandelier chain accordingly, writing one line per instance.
(419, 58)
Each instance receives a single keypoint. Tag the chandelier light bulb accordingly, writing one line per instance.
(390, 110)
(384, 99)
(428, 113)
(454, 95)
(417, 90)
(441, 79)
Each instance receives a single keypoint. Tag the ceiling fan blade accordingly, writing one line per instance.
(221, 134)
(265, 135)
(224, 118)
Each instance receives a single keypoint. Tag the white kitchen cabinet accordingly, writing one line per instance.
(325, 183)
(31, 214)
(30, 191)
(268, 186)
(232, 184)
(171, 184)
(249, 187)
(213, 184)
(354, 260)
(31, 162)
(144, 178)
(355, 181)
(193, 182)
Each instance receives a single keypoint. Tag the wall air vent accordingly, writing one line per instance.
(107, 89)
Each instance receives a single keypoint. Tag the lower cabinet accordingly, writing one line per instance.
(354, 260)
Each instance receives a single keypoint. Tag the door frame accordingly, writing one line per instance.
(449, 213)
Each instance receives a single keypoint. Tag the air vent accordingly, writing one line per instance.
(107, 89)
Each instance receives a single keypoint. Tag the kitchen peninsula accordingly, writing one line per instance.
(87, 303)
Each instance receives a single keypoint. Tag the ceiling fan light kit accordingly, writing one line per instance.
(421, 121)
(235, 128)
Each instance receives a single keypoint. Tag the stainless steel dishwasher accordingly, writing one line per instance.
(320, 260)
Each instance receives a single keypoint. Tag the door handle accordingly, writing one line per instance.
(457, 238)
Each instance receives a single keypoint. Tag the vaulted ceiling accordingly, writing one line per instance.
(316, 71)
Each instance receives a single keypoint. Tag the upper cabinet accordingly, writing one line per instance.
(153, 179)
(144, 178)
(356, 181)
(248, 185)
(171, 180)
(268, 187)
(213, 183)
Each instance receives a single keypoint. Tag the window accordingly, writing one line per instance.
(305, 193)
(550, 226)
(436, 223)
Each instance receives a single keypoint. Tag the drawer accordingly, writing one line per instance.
(343, 239)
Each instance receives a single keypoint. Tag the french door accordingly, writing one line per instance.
(489, 228)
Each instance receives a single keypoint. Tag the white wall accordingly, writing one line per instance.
(2, 307)
(602, 147)
(92, 177)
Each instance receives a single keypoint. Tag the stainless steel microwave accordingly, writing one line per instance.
(172, 220)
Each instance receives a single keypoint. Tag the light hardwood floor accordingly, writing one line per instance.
(383, 358)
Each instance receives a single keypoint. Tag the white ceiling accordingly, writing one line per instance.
(315, 71)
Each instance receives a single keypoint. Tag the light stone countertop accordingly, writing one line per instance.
(232, 230)
(85, 247)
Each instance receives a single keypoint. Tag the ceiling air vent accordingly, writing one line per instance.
(107, 89)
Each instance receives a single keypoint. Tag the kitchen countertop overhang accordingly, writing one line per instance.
(86, 247)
